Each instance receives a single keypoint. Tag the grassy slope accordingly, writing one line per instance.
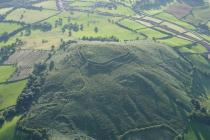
(109, 104)
(7, 131)
(197, 131)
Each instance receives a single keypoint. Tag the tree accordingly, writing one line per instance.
(81, 27)
(96, 29)
(52, 64)
(70, 33)
(1, 120)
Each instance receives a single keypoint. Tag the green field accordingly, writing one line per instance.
(197, 48)
(106, 26)
(50, 4)
(175, 42)
(6, 72)
(122, 10)
(10, 92)
(30, 16)
(173, 19)
(132, 24)
(7, 131)
(152, 33)
(8, 27)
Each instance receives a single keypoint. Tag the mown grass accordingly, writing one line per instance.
(7, 131)
(6, 72)
(10, 92)
(173, 19)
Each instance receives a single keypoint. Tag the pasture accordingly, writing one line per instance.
(8, 27)
(152, 33)
(50, 4)
(132, 24)
(10, 92)
(6, 72)
(30, 16)
(175, 42)
(121, 10)
(197, 48)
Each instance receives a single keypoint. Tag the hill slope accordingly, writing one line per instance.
(109, 91)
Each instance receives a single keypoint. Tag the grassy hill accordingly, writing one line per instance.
(115, 91)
